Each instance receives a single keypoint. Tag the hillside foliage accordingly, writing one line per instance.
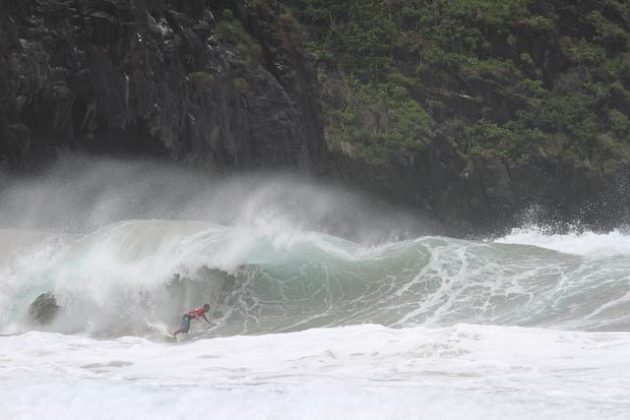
(491, 77)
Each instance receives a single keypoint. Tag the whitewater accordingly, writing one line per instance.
(324, 304)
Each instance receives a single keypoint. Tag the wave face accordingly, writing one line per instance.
(138, 277)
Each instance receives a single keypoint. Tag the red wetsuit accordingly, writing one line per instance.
(196, 313)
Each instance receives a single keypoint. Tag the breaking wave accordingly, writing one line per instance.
(137, 278)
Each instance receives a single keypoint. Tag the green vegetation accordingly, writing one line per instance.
(493, 77)
(231, 32)
(201, 81)
(372, 120)
(241, 85)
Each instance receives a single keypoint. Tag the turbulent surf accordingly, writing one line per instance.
(319, 308)
(126, 278)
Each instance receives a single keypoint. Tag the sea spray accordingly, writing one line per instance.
(589, 244)
(81, 194)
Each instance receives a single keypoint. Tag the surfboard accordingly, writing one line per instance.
(162, 330)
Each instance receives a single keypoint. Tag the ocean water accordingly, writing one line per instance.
(321, 307)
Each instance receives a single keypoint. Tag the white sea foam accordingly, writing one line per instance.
(579, 243)
(476, 372)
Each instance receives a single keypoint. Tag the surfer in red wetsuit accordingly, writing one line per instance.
(195, 313)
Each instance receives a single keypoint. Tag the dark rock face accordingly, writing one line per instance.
(44, 309)
(225, 85)
(492, 194)
(151, 77)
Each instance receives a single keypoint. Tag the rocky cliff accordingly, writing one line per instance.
(486, 112)
(479, 112)
(191, 80)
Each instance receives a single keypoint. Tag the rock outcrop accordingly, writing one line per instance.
(179, 79)
(44, 309)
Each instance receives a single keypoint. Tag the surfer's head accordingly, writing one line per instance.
(206, 307)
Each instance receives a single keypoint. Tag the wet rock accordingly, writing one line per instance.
(44, 309)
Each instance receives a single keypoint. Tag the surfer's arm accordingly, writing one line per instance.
(204, 317)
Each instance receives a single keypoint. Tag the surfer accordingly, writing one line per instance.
(195, 313)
